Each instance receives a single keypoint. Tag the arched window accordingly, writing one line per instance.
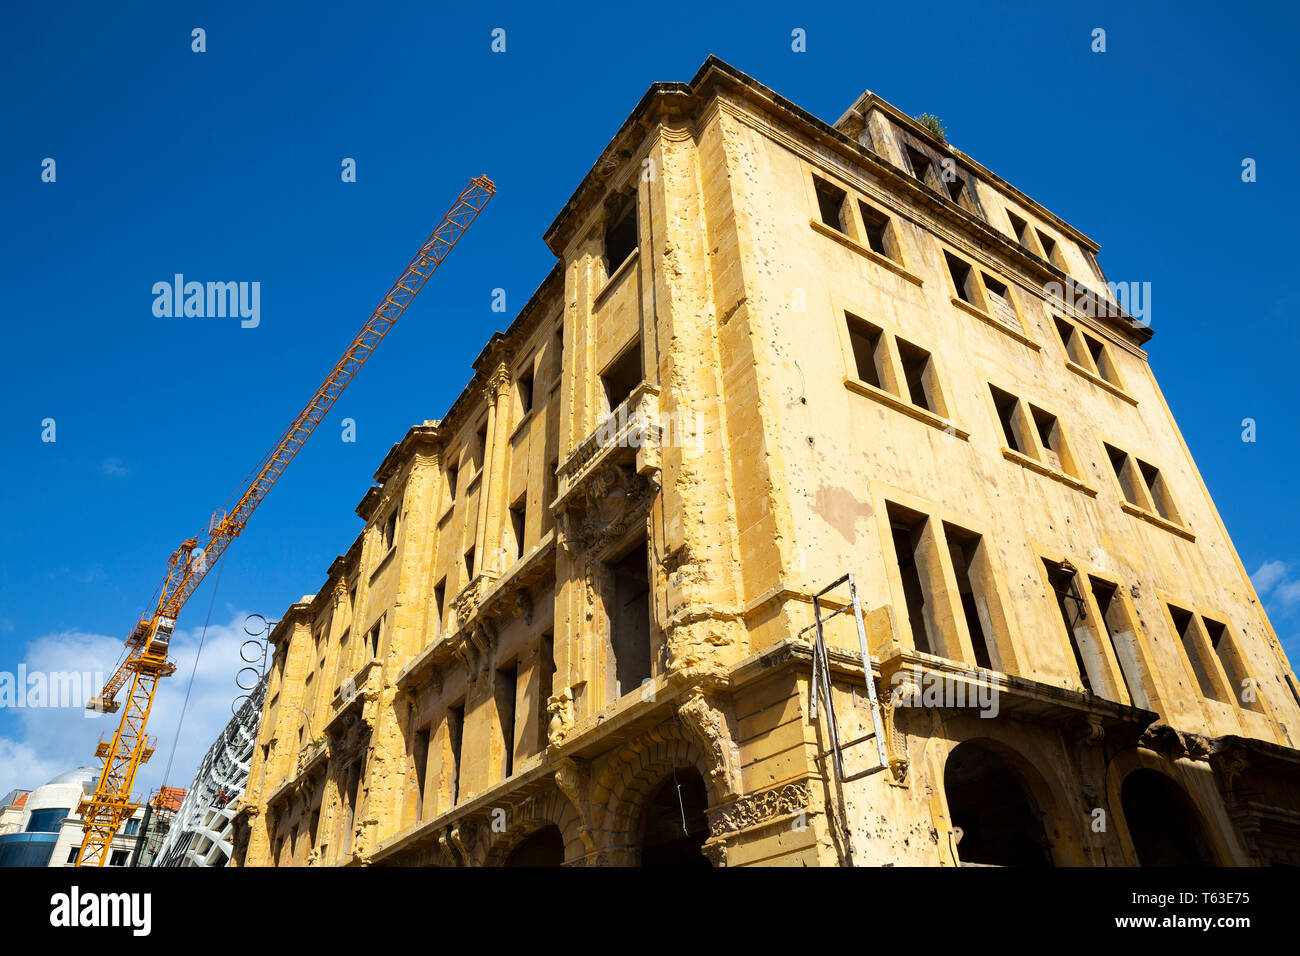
(673, 825)
(999, 823)
(542, 848)
(1162, 823)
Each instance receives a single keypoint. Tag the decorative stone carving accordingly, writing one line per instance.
(755, 808)
(560, 708)
(611, 501)
(573, 779)
(708, 723)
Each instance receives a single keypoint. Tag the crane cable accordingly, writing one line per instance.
(193, 671)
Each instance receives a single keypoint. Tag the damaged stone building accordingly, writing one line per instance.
(773, 351)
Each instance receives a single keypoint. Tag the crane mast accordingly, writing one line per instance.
(146, 661)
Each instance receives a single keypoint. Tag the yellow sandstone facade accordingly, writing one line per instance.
(773, 351)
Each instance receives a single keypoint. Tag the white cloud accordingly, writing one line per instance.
(1269, 574)
(115, 468)
(51, 740)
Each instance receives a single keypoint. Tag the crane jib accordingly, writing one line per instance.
(146, 661)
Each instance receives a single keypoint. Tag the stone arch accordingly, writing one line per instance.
(552, 810)
(1213, 825)
(1022, 826)
(631, 778)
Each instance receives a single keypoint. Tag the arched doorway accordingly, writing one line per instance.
(673, 825)
(545, 847)
(1162, 823)
(999, 824)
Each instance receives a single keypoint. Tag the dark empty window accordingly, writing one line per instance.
(1122, 640)
(876, 224)
(1020, 228)
(420, 760)
(455, 735)
(963, 278)
(955, 184)
(907, 529)
(964, 547)
(1155, 483)
(1070, 604)
(921, 164)
(628, 613)
(1185, 624)
(831, 205)
(916, 372)
(524, 389)
(1053, 441)
(372, 640)
(480, 447)
(622, 377)
(469, 564)
(452, 474)
(439, 601)
(1009, 416)
(620, 238)
(1124, 473)
(518, 520)
(868, 350)
(1004, 309)
(507, 686)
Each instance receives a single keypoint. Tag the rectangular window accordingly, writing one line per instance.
(956, 186)
(908, 529)
(1004, 310)
(452, 474)
(1051, 251)
(389, 537)
(1056, 450)
(518, 524)
(372, 640)
(545, 686)
(918, 374)
(620, 237)
(455, 735)
(1159, 491)
(965, 548)
(1124, 473)
(832, 203)
(420, 761)
(72, 854)
(1020, 229)
(622, 377)
(1234, 664)
(1101, 359)
(479, 451)
(1119, 631)
(1187, 626)
(439, 602)
(868, 350)
(1071, 338)
(920, 163)
(877, 227)
(118, 858)
(963, 278)
(507, 686)
(628, 616)
(469, 565)
(557, 353)
(1070, 603)
(524, 389)
(1008, 408)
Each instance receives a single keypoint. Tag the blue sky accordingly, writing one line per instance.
(225, 165)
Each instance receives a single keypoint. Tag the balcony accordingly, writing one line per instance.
(631, 430)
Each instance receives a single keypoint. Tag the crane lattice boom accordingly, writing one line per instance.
(146, 658)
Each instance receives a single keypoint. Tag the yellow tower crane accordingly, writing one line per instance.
(145, 660)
